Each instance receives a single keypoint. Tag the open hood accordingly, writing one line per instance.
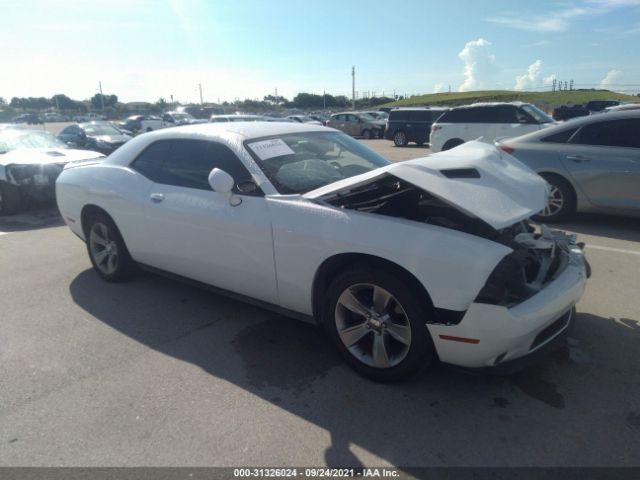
(476, 178)
(44, 156)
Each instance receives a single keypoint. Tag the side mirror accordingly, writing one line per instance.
(222, 182)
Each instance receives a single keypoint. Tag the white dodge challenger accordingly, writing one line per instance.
(402, 264)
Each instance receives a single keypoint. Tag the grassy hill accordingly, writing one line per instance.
(544, 99)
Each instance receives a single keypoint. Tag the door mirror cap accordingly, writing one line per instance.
(221, 182)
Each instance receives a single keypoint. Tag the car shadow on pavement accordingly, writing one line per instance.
(611, 226)
(41, 216)
(440, 417)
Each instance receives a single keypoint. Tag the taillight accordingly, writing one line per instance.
(506, 149)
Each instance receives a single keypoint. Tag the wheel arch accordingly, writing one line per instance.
(337, 263)
(546, 172)
(89, 210)
(456, 140)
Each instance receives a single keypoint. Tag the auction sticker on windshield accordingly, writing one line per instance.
(267, 149)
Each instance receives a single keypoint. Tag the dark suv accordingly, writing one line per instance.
(411, 124)
(599, 105)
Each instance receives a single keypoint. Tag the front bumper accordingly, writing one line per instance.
(495, 335)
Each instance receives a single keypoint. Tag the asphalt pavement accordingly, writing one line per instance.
(153, 372)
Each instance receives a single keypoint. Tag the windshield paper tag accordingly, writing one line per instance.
(267, 149)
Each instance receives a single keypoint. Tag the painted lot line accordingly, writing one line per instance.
(611, 249)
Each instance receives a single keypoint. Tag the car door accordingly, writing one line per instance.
(510, 122)
(478, 123)
(338, 122)
(603, 159)
(193, 231)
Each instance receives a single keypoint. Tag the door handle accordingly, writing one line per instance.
(156, 197)
(578, 158)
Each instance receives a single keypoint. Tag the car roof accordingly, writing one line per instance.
(574, 123)
(397, 109)
(491, 104)
(228, 132)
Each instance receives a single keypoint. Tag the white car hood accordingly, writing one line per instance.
(43, 156)
(506, 191)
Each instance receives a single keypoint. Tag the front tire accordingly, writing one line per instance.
(10, 199)
(107, 250)
(400, 139)
(367, 135)
(377, 322)
(562, 200)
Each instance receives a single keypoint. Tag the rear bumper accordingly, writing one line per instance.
(496, 335)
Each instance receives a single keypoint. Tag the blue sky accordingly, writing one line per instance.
(146, 49)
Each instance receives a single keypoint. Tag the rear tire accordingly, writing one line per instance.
(562, 200)
(367, 135)
(10, 199)
(453, 143)
(377, 322)
(107, 250)
(400, 139)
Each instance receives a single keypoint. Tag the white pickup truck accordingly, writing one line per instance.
(143, 123)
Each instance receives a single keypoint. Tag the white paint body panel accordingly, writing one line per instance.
(271, 247)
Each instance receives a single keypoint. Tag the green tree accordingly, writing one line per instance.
(63, 102)
(109, 100)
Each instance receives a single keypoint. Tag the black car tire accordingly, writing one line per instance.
(453, 143)
(420, 144)
(400, 139)
(10, 199)
(124, 265)
(563, 190)
(366, 134)
(149, 129)
(421, 351)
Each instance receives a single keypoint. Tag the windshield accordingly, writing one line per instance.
(182, 116)
(101, 129)
(301, 162)
(20, 139)
(539, 115)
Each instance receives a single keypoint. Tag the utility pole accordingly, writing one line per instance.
(353, 87)
(200, 87)
(101, 95)
(324, 100)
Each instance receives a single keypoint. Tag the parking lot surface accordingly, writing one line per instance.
(154, 372)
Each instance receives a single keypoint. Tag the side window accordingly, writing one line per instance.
(339, 118)
(560, 137)
(187, 163)
(398, 116)
(70, 130)
(485, 114)
(506, 114)
(614, 133)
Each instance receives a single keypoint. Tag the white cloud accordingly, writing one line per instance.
(529, 79)
(559, 21)
(551, 22)
(480, 67)
(438, 87)
(610, 79)
(541, 43)
(549, 80)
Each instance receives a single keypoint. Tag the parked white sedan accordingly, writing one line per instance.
(402, 264)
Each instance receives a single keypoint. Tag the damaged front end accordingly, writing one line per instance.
(539, 255)
(35, 181)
